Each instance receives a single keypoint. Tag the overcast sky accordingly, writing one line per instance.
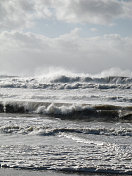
(79, 35)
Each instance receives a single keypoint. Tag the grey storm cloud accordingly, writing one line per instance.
(28, 51)
(21, 14)
(90, 11)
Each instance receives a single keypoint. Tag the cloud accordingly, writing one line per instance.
(92, 11)
(93, 29)
(20, 14)
(89, 11)
(25, 52)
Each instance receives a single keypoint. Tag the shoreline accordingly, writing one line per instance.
(31, 172)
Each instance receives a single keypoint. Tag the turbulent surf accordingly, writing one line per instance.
(67, 122)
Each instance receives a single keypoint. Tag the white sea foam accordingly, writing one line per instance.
(65, 121)
(81, 140)
(113, 78)
(64, 109)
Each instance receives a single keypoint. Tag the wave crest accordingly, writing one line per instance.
(70, 111)
(67, 82)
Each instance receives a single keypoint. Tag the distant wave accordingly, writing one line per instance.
(67, 82)
(105, 80)
(65, 110)
(66, 86)
(7, 76)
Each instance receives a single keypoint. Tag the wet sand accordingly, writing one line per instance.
(21, 172)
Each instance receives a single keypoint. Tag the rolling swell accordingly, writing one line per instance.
(70, 111)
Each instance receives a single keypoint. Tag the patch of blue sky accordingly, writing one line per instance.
(54, 28)
(51, 27)
(122, 27)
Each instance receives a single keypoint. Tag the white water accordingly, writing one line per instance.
(54, 135)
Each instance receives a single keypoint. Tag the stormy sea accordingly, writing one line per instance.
(66, 123)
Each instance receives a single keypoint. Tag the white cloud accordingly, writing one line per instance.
(20, 52)
(93, 29)
(19, 14)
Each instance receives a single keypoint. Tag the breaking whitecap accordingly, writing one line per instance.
(67, 122)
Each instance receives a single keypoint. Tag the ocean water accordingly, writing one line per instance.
(75, 123)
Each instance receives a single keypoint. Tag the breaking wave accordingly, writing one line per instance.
(70, 111)
(64, 80)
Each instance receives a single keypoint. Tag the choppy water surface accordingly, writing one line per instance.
(66, 123)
